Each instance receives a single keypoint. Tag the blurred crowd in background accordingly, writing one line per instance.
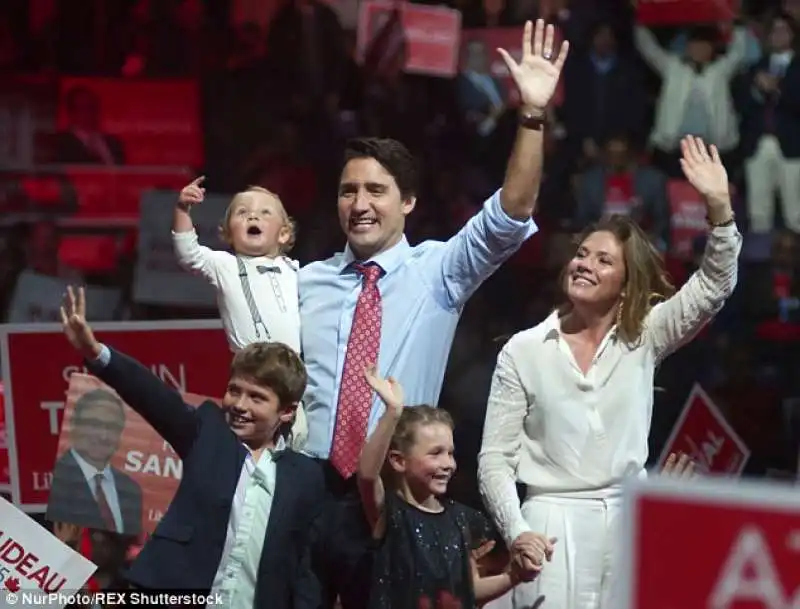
(267, 93)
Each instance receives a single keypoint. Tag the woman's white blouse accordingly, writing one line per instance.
(557, 431)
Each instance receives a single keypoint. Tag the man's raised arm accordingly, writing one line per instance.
(505, 222)
(536, 77)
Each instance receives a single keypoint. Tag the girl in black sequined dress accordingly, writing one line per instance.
(424, 541)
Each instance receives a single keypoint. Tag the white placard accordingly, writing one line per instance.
(36, 568)
(159, 279)
(38, 298)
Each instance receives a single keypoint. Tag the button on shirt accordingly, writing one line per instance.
(275, 293)
(106, 483)
(423, 291)
(559, 431)
(235, 580)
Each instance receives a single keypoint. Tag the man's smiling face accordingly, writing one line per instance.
(372, 212)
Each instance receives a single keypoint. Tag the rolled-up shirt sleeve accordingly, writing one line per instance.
(501, 447)
(677, 320)
(487, 240)
(195, 258)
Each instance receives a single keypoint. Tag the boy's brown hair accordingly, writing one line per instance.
(288, 220)
(275, 366)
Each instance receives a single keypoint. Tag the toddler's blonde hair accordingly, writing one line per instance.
(224, 227)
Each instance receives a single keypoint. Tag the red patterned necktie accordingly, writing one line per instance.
(102, 503)
(355, 395)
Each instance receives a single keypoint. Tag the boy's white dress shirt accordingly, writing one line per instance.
(237, 574)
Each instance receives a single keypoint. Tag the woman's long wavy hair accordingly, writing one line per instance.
(646, 280)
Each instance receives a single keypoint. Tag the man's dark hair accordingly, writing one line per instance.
(393, 156)
(97, 397)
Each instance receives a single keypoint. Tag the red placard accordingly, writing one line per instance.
(510, 39)
(116, 191)
(143, 458)
(432, 35)
(158, 121)
(712, 544)
(37, 361)
(703, 433)
(5, 478)
(679, 12)
(687, 218)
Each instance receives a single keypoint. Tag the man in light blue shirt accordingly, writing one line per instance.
(422, 292)
(423, 288)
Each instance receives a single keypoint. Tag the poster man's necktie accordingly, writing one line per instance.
(355, 395)
(102, 503)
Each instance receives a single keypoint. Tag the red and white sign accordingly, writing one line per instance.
(432, 35)
(142, 456)
(680, 12)
(115, 191)
(35, 567)
(192, 356)
(157, 121)
(510, 39)
(715, 544)
(687, 218)
(703, 434)
(5, 478)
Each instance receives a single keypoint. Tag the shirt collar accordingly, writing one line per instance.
(388, 260)
(274, 452)
(89, 470)
(279, 261)
(552, 328)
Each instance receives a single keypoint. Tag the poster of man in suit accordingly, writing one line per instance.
(87, 489)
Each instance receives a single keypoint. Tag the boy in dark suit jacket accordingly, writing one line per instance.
(237, 525)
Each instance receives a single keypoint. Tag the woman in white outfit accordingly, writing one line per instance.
(571, 400)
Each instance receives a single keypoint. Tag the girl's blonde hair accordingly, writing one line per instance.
(646, 280)
(224, 227)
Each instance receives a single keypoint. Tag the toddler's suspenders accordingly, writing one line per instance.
(251, 303)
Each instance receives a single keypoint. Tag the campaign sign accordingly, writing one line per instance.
(140, 472)
(190, 356)
(703, 434)
(36, 568)
(710, 544)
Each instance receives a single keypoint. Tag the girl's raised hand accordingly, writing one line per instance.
(388, 389)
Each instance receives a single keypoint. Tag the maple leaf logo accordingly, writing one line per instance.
(12, 583)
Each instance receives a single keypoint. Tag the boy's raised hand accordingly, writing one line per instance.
(389, 390)
(76, 328)
(192, 193)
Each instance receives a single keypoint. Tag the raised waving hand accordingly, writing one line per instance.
(536, 75)
(76, 328)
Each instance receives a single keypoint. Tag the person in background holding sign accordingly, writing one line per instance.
(236, 527)
(695, 96)
(256, 284)
(84, 141)
(622, 186)
(571, 399)
(87, 490)
(384, 302)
